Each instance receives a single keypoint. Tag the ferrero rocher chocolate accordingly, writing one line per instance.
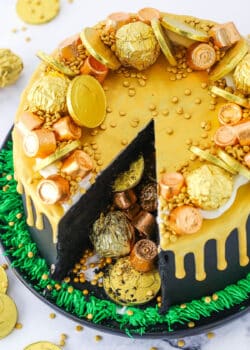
(112, 235)
(242, 75)
(8, 315)
(126, 286)
(136, 45)
(48, 94)
(11, 67)
(209, 186)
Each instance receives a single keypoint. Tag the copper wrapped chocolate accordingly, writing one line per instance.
(39, 143)
(116, 20)
(132, 211)
(125, 200)
(112, 235)
(145, 223)
(242, 75)
(243, 133)
(31, 121)
(65, 129)
(78, 164)
(201, 56)
(53, 189)
(171, 184)
(95, 68)
(136, 45)
(148, 197)
(225, 35)
(48, 93)
(143, 255)
(185, 220)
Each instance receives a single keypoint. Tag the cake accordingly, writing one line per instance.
(131, 142)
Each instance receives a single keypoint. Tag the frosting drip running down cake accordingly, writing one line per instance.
(132, 153)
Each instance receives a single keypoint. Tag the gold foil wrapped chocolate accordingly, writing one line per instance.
(136, 45)
(112, 235)
(242, 75)
(48, 93)
(11, 67)
(209, 186)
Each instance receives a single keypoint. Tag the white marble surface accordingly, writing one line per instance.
(34, 314)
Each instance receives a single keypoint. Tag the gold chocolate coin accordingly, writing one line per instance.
(94, 45)
(37, 12)
(58, 154)
(3, 280)
(131, 177)
(232, 57)
(184, 29)
(86, 101)
(55, 64)
(233, 163)
(244, 102)
(126, 286)
(42, 345)
(8, 315)
(163, 41)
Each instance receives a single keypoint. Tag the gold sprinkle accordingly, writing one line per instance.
(113, 124)
(122, 113)
(169, 131)
(174, 99)
(189, 142)
(130, 312)
(24, 29)
(19, 215)
(215, 297)
(79, 328)
(154, 113)
(4, 266)
(142, 82)
(63, 336)
(210, 335)
(85, 292)
(70, 289)
(45, 277)
(191, 324)
(131, 92)
(165, 112)
(187, 115)
(179, 110)
(153, 348)
(109, 110)
(203, 85)
(197, 101)
(124, 142)
(103, 127)
(62, 342)
(30, 255)
(89, 316)
(212, 107)
(187, 92)
(27, 39)
(181, 343)
(18, 325)
(183, 306)
(11, 223)
(14, 30)
(98, 338)
(9, 177)
(207, 300)
(152, 107)
(126, 83)
(52, 315)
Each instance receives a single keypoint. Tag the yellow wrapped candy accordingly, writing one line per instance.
(136, 45)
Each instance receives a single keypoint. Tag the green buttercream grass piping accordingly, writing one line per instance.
(25, 257)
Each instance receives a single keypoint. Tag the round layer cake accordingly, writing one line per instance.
(130, 132)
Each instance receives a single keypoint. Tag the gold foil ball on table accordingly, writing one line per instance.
(48, 94)
(136, 45)
(11, 67)
(242, 75)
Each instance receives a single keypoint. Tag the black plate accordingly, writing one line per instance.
(204, 324)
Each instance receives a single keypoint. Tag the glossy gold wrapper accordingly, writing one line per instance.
(209, 186)
(136, 45)
(112, 235)
(48, 94)
(242, 75)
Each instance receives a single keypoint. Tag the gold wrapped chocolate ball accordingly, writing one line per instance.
(112, 235)
(11, 67)
(136, 45)
(242, 75)
(209, 186)
(48, 94)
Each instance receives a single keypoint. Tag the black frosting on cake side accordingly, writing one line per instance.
(75, 226)
(175, 291)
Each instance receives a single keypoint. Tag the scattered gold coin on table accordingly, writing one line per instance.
(37, 12)
(8, 315)
(86, 101)
(42, 345)
(3, 281)
(11, 67)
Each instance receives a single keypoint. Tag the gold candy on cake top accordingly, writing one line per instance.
(242, 75)
(48, 93)
(136, 45)
(11, 67)
(209, 186)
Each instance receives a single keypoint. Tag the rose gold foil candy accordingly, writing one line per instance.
(30, 120)
(132, 211)
(125, 200)
(68, 48)
(225, 136)
(225, 35)
(144, 222)
(116, 20)
(39, 143)
(171, 184)
(243, 133)
(95, 68)
(247, 159)
(147, 14)
(53, 189)
(229, 113)
(65, 129)
(78, 164)
(201, 56)
(185, 220)
(143, 255)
